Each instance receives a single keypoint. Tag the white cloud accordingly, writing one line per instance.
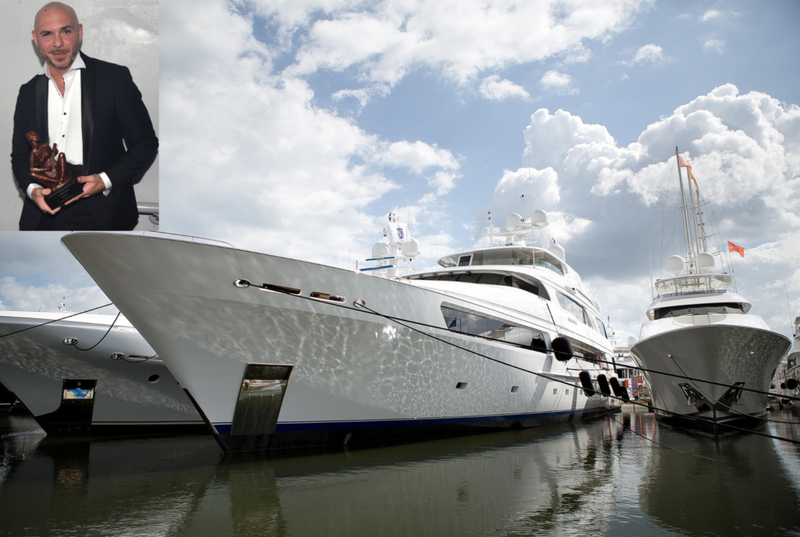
(647, 54)
(497, 90)
(718, 15)
(711, 14)
(362, 95)
(443, 182)
(390, 39)
(714, 45)
(556, 82)
(417, 156)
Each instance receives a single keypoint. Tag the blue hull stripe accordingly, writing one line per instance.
(225, 428)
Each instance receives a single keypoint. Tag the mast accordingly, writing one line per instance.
(694, 209)
(683, 206)
(700, 226)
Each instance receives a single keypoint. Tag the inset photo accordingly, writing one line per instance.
(80, 102)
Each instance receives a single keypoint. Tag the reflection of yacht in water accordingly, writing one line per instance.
(7, 399)
(90, 374)
(717, 359)
(745, 485)
(281, 353)
(513, 482)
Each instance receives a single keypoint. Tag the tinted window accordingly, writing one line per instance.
(477, 325)
(574, 308)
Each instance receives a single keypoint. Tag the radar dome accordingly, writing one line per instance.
(513, 221)
(675, 265)
(411, 248)
(539, 218)
(705, 262)
(380, 249)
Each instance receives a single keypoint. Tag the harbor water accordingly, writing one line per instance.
(625, 474)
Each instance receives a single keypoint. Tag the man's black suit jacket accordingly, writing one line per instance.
(113, 111)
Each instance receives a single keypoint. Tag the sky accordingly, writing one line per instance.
(294, 128)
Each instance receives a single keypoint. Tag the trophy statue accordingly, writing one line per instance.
(49, 167)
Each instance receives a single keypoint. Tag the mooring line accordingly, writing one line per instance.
(56, 320)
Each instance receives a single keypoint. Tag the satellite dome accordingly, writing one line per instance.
(411, 248)
(539, 218)
(675, 265)
(380, 249)
(514, 220)
(705, 262)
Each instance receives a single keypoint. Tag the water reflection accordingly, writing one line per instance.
(737, 484)
(619, 476)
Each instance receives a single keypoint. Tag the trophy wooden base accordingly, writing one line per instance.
(64, 193)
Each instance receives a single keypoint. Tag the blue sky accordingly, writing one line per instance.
(294, 128)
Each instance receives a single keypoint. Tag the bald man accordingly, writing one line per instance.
(94, 112)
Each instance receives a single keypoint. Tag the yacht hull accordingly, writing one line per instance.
(691, 369)
(369, 360)
(73, 392)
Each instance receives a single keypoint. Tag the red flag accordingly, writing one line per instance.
(735, 248)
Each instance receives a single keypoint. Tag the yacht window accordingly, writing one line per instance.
(477, 325)
(503, 256)
(464, 260)
(528, 284)
(601, 327)
(574, 308)
(517, 256)
(700, 309)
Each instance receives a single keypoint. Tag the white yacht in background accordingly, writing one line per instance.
(785, 383)
(90, 374)
(280, 353)
(793, 358)
(700, 348)
(627, 369)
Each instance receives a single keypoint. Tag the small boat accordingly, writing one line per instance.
(706, 357)
(282, 353)
(90, 374)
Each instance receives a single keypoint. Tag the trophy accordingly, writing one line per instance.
(49, 167)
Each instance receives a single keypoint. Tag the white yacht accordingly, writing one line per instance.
(90, 374)
(785, 383)
(626, 367)
(704, 355)
(280, 353)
